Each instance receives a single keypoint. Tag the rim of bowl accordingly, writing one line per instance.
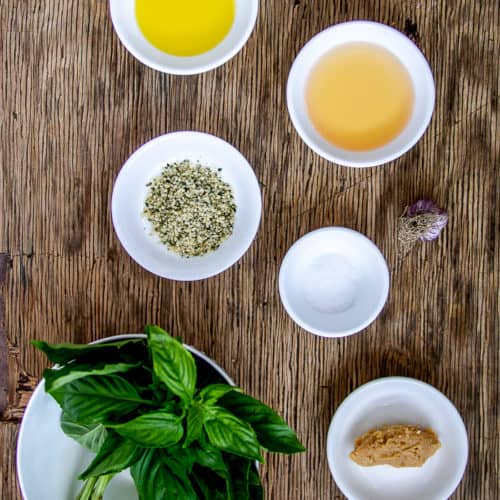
(144, 263)
(293, 77)
(408, 380)
(343, 333)
(122, 336)
(196, 69)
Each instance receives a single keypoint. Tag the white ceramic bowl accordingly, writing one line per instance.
(408, 54)
(390, 401)
(48, 461)
(333, 282)
(129, 193)
(126, 27)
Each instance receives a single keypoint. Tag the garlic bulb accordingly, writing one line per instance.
(423, 220)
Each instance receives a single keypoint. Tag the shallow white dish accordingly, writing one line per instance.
(333, 282)
(408, 54)
(129, 193)
(48, 461)
(125, 23)
(397, 400)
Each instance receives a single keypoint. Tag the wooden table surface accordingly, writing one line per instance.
(75, 104)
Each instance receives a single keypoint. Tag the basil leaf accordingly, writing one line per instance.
(210, 486)
(229, 433)
(254, 484)
(237, 483)
(179, 463)
(90, 436)
(115, 455)
(212, 393)
(96, 399)
(154, 479)
(272, 431)
(63, 353)
(211, 458)
(195, 419)
(172, 363)
(56, 378)
(152, 430)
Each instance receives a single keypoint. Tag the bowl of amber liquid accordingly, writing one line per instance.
(183, 37)
(360, 94)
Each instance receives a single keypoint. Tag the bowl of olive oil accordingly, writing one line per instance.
(360, 94)
(183, 37)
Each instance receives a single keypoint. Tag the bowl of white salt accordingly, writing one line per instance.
(334, 282)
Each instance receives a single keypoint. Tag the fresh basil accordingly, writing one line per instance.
(152, 430)
(254, 485)
(64, 353)
(179, 462)
(211, 458)
(212, 393)
(209, 485)
(90, 436)
(272, 431)
(237, 482)
(154, 479)
(173, 364)
(115, 455)
(96, 399)
(56, 378)
(195, 419)
(139, 403)
(94, 487)
(229, 433)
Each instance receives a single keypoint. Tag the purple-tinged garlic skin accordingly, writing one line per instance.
(436, 218)
(423, 207)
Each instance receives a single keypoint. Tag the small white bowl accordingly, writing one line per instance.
(407, 53)
(125, 23)
(130, 191)
(391, 401)
(333, 282)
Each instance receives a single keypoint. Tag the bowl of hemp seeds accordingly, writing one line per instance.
(186, 205)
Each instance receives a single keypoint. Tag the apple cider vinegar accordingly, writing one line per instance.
(359, 96)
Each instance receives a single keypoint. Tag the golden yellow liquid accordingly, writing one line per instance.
(185, 27)
(359, 96)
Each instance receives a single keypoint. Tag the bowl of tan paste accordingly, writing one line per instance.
(394, 401)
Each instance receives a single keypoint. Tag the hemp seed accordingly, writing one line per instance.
(190, 208)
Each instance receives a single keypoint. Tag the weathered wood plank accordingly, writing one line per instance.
(75, 105)
(8, 483)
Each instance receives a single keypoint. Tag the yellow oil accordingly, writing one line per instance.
(185, 27)
(359, 96)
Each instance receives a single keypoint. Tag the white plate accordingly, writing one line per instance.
(397, 400)
(125, 23)
(333, 282)
(48, 461)
(400, 46)
(130, 191)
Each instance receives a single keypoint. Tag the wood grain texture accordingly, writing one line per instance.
(75, 104)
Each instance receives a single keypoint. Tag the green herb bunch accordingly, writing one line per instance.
(140, 404)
